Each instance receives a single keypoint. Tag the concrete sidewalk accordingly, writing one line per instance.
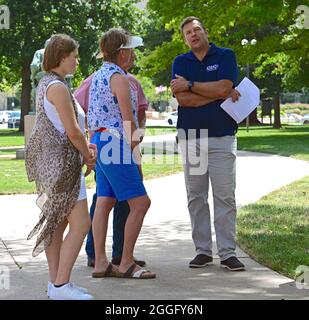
(165, 243)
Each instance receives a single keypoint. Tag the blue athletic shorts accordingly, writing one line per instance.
(117, 175)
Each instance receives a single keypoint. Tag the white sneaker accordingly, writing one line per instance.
(81, 289)
(50, 285)
(68, 292)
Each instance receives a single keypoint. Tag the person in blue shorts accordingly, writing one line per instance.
(112, 115)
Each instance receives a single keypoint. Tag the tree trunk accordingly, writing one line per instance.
(277, 121)
(253, 120)
(25, 92)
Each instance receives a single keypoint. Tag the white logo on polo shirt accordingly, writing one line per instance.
(214, 67)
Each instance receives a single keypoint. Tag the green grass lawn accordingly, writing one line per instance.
(292, 141)
(289, 141)
(13, 179)
(275, 230)
(155, 166)
(11, 137)
(10, 152)
(154, 131)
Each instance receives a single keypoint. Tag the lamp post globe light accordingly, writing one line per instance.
(245, 42)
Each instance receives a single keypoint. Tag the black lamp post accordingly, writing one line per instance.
(244, 43)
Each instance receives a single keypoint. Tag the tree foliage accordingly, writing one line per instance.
(32, 22)
(280, 57)
(281, 46)
(154, 34)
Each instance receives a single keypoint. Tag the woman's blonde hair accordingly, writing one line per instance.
(59, 46)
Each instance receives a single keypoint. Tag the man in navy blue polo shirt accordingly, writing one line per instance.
(202, 79)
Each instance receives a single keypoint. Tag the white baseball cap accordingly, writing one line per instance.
(134, 42)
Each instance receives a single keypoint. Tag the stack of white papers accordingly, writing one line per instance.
(247, 102)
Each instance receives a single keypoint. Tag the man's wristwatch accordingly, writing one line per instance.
(190, 85)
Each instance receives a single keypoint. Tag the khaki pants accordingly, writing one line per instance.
(220, 168)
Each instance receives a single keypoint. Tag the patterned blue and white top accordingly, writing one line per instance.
(104, 110)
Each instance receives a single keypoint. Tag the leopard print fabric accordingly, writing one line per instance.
(55, 165)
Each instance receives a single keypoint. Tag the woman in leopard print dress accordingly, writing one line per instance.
(55, 154)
